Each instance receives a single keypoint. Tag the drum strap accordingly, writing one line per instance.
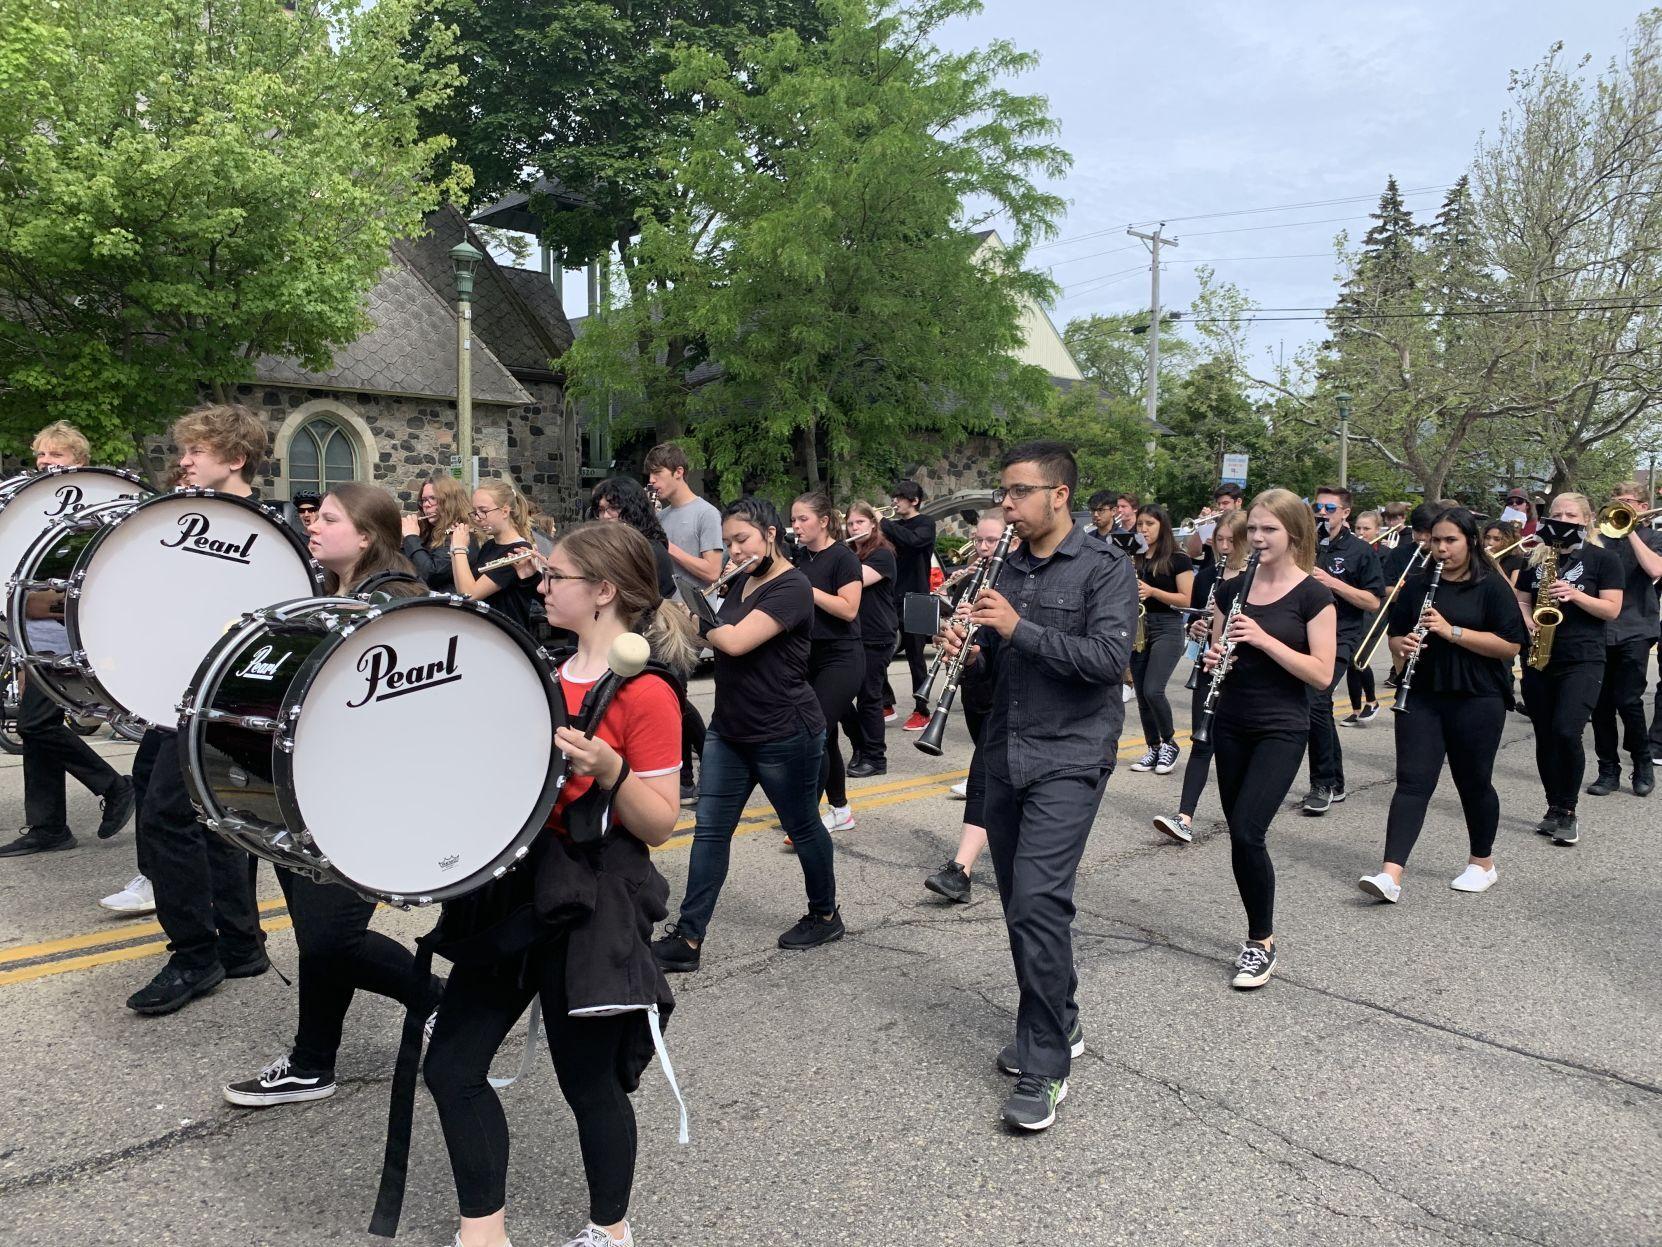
(395, 1161)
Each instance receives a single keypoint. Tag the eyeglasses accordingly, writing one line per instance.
(1324, 508)
(562, 576)
(1518, 502)
(1021, 493)
(482, 512)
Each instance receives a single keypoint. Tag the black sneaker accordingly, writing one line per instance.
(1568, 831)
(865, 768)
(118, 807)
(1370, 712)
(32, 841)
(1254, 966)
(1644, 777)
(279, 1083)
(1350, 720)
(673, 953)
(1317, 801)
(1548, 826)
(249, 967)
(1007, 1054)
(951, 881)
(1608, 781)
(1175, 827)
(172, 989)
(1032, 1105)
(689, 794)
(811, 931)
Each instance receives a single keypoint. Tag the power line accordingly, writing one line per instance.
(1490, 311)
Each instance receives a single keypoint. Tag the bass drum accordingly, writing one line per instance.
(31, 502)
(406, 751)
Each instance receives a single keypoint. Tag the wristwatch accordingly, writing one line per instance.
(1455, 632)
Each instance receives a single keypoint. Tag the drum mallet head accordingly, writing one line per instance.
(629, 655)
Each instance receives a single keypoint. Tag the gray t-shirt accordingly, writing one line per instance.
(694, 526)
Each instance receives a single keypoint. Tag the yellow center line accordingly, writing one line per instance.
(109, 957)
(106, 935)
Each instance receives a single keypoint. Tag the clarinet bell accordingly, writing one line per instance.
(930, 739)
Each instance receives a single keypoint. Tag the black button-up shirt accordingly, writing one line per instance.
(1056, 704)
(1352, 560)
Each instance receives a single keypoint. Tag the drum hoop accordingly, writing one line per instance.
(13, 486)
(71, 612)
(282, 770)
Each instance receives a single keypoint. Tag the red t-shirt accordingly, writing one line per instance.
(643, 724)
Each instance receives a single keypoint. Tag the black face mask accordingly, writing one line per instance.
(763, 566)
(1561, 533)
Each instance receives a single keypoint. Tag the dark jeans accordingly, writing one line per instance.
(1151, 672)
(479, 1008)
(835, 671)
(1255, 771)
(692, 740)
(1464, 729)
(50, 752)
(864, 721)
(1560, 701)
(912, 646)
(1622, 697)
(1327, 760)
(1359, 684)
(338, 955)
(204, 884)
(1199, 764)
(788, 771)
(1036, 835)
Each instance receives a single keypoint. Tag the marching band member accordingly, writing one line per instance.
(444, 505)
(836, 660)
(51, 751)
(767, 729)
(1498, 535)
(1359, 685)
(600, 582)
(1349, 569)
(1053, 636)
(1461, 646)
(878, 623)
(1587, 589)
(499, 511)
(1627, 642)
(1230, 543)
(1165, 579)
(623, 498)
(356, 536)
(1102, 512)
(1285, 639)
(912, 534)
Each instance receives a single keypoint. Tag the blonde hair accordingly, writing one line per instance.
(229, 430)
(1294, 515)
(1234, 523)
(619, 555)
(504, 494)
(64, 436)
(453, 508)
(1590, 535)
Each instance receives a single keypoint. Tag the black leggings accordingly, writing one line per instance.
(338, 955)
(1151, 671)
(975, 788)
(1199, 765)
(1560, 701)
(479, 1008)
(863, 721)
(1255, 771)
(1360, 686)
(1464, 729)
(835, 670)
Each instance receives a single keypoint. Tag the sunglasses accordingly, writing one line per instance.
(1324, 508)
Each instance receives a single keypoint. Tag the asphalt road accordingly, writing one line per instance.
(1454, 1069)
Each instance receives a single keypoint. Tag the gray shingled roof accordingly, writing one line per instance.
(411, 349)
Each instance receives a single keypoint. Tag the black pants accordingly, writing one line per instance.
(479, 1008)
(52, 751)
(1622, 697)
(1327, 760)
(692, 740)
(864, 720)
(1256, 768)
(338, 955)
(1465, 730)
(1036, 834)
(835, 670)
(204, 884)
(1560, 701)
(1199, 765)
(1359, 684)
(912, 646)
(975, 788)
(1151, 672)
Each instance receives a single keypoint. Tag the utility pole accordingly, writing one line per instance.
(1155, 242)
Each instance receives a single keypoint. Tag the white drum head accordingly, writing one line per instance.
(422, 749)
(27, 512)
(162, 586)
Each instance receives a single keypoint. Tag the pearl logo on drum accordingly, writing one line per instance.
(385, 678)
(259, 665)
(193, 539)
(69, 497)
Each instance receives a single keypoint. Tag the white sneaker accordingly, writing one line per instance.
(841, 818)
(1175, 827)
(960, 790)
(592, 1235)
(1127, 692)
(1474, 879)
(138, 897)
(1381, 886)
(1147, 761)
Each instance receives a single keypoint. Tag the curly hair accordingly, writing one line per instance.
(632, 503)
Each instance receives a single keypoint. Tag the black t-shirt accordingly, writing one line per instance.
(764, 695)
(1352, 560)
(1637, 622)
(828, 571)
(515, 594)
(914, 546)
(666, 570)
(1512, 564)
(877, 609)
(1167, 583)
(1396, 558)
(1259, 691)
(1580, 638)
(1486, 605)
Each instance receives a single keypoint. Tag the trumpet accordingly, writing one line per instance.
(1618, 520)
(1387, 537)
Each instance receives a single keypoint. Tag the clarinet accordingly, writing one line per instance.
(1400, 706)
(1202, 733)
(1199, 668)
(929, 740)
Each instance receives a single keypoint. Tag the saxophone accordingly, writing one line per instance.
(1547, 613)
(1141, 642)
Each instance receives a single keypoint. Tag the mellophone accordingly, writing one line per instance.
(305, 721)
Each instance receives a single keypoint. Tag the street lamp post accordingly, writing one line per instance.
(465, 258)
(1343, 400)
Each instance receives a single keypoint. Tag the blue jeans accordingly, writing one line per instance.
(788, 771)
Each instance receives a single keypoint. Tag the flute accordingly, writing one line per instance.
(507, 560)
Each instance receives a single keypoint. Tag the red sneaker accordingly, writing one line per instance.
(889, 716)
(917, 722)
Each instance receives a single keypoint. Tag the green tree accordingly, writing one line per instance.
(186, 186)
(1112, 442)
(1112, 350)
(825, 255)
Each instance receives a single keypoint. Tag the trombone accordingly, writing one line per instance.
(1388, 537)
(1376, 630)
(1618, 520)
